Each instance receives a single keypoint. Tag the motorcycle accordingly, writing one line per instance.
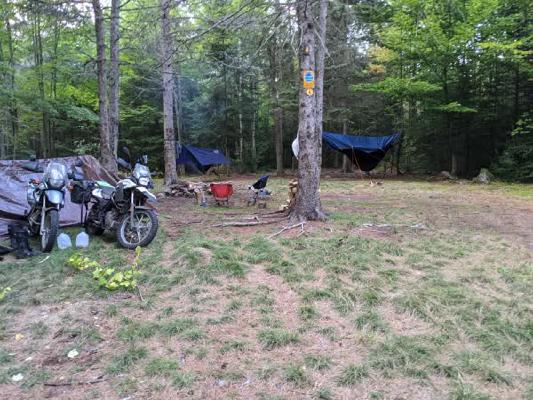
(46, 198)
(121, 209)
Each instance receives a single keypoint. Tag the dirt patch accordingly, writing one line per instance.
(404, 324)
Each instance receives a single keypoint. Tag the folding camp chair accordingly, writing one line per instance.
(259, 192)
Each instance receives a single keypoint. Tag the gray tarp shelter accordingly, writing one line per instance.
(14, 180)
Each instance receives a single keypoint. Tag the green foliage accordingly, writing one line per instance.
(399, 88)
(81, 263)
(109, 278)
(455, 107)
(516, 161)
(112, 279)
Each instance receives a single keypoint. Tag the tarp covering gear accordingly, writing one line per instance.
(364, 151)
(14, 180)
(201, 158)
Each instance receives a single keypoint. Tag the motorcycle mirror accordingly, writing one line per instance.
(123, 163)
(127, 152)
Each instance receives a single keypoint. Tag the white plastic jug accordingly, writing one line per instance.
(82, 240)
(63, 241)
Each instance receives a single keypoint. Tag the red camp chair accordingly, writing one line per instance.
(222, 192)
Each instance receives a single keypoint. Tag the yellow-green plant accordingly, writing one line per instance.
(4, 292)
(109, 278)
(77, 261)
(112, 279)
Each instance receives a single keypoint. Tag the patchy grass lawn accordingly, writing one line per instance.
(411, 290)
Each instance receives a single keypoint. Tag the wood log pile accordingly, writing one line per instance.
(293, 189)
(186, 189)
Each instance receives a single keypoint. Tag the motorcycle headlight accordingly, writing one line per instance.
(144, 181)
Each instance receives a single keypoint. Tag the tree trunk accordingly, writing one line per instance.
(171, 175)
(53, 85)
(276, 55)
(13, 114)
(320, 67)
(278, 136)
(106, 154)
(253, 127)
(307, 205)
(346, 167)
(114, 75)
(241, 130)
(3, 135)
(177, 105)
(38, 59)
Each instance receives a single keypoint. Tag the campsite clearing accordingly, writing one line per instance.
(411, 290)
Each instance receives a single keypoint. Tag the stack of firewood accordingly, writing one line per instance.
(186, 189)
(293, 189)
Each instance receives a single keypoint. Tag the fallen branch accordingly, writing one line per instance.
(258, 216)
(97, 380)
(287, 228)
(243, 223)
(140, 294)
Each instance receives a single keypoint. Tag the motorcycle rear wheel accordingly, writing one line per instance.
(50, 228)
(143, 231)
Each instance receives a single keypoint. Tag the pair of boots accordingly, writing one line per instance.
(20, 245)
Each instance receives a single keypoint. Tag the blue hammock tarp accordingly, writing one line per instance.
(201, 158)
(364, 151)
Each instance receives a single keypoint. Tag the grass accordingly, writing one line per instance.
(295, 374)
(226, 311)
(161, 367)
(233, 345)
(371, 320)
(272, 338)
(317, 362)
(409, 356)
(123, 362)
(135, 330)
(324, 393)
(352, 374)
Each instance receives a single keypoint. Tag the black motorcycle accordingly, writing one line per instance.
(46, 198)
(122, 209)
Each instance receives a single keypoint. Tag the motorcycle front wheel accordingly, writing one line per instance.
(49, 230)
(139, 232)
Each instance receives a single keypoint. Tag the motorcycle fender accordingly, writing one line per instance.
(54, 197)
(150, 196)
